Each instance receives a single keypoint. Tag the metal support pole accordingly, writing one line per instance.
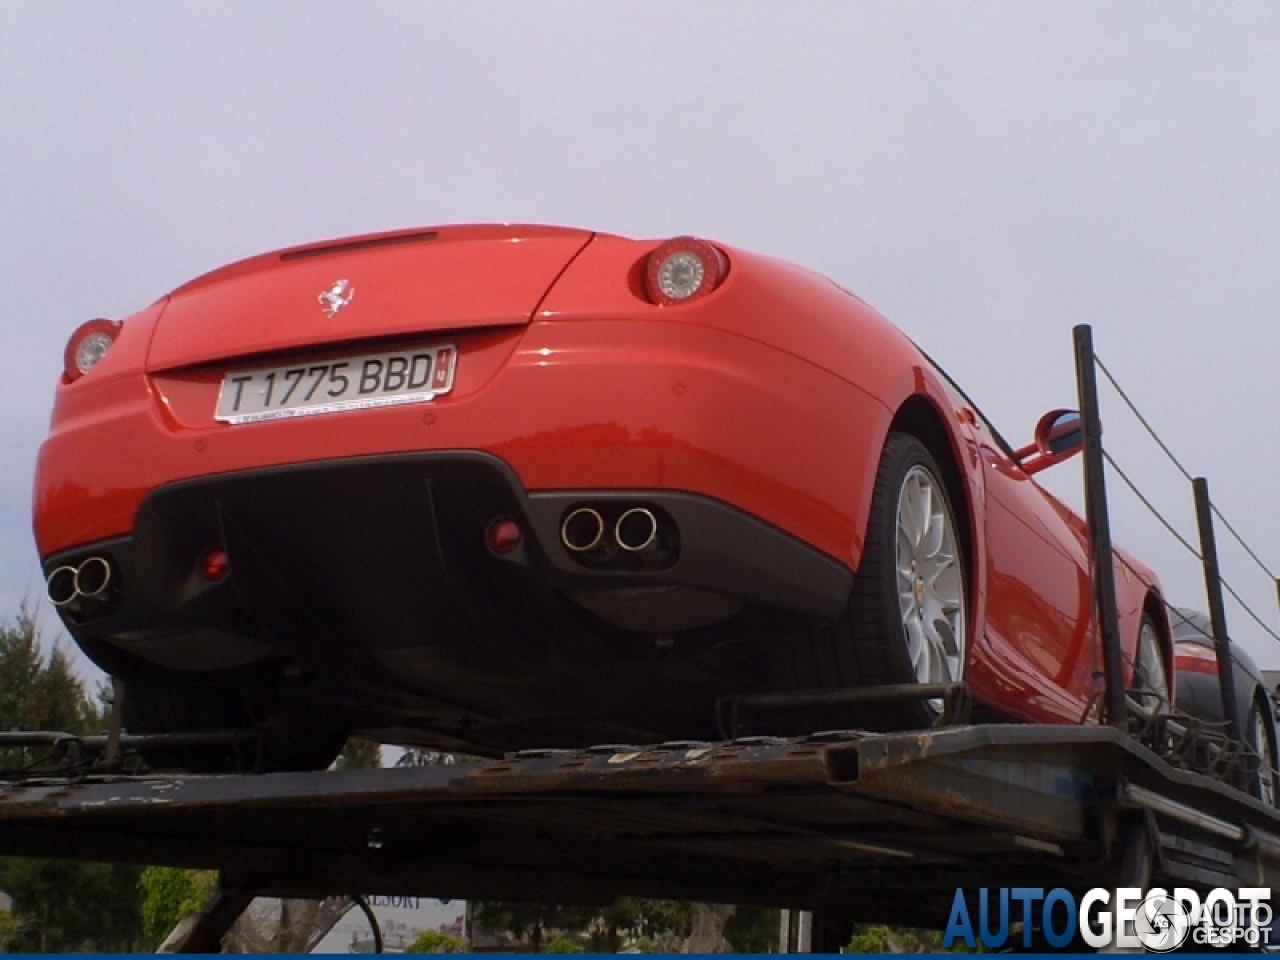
(1138, 859)
(796, 933)
(1217, 610)
(1095, 508)
(804, 931)
(1137, 862)
(111, 752)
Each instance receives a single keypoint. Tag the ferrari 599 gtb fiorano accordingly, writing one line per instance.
(494, 487)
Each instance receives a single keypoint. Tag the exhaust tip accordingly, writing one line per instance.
(92, 577)
(637, 530)
(582, 530)
(60, 586)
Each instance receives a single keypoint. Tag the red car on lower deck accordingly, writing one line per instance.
(492, 487)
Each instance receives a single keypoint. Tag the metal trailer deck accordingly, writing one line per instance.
(851, 825)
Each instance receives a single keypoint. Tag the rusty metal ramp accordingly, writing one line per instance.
(873, 826)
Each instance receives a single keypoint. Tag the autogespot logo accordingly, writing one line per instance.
(1162, 923)
(1157, 920)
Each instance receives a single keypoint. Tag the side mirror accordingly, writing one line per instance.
(1059, 436)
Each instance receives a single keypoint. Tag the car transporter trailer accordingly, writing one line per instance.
(851, 825)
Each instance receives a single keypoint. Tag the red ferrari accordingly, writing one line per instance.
(494, 487)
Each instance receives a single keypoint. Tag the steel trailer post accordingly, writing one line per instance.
(1099, 522)
(1138, 841)
(115, 723)
(1217, 610)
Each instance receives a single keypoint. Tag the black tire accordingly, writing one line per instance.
(877, 638)
(287, 736)
(869, 645)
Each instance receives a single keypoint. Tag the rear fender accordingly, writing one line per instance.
(931, 413)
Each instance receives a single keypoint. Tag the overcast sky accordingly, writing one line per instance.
(985, 174)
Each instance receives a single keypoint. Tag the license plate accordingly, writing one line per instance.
(345, 383)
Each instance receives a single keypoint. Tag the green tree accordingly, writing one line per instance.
(62, 906)
(8, 930)
(169, 894)
(359, 755)
(879, 938)
(519, 921)
(39, 692)
(562, 943)
(753, 929)
(433, 941)
(58, 905)
(660, 925)
(629, 920)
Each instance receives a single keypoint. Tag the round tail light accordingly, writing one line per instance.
(684, 269)
(88, 345)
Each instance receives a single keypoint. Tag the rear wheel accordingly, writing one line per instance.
(930, 588)
(1263, 780)
(907, 619)
(288, 736)
(1152, 694)
(1150, 675)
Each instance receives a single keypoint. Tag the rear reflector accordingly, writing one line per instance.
(504, 535)
(215, 564)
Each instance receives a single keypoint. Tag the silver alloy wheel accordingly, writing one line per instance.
(931, 596)
(1151, 669)
(1266, 772)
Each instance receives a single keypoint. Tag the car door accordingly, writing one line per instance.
(1039, 617)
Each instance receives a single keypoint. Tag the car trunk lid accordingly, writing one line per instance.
(377, 286)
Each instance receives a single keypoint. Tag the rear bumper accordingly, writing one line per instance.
(588, 405)
(336, 564)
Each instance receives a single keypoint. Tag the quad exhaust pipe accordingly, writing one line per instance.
(79, 588)
(636, 530)
(582, 530)
(93, 577)
(61, 586)
(619, 536)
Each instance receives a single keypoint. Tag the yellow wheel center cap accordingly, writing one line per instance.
(918, 590)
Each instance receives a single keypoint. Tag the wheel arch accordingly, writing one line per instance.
(1153, 607)
(919, 417)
